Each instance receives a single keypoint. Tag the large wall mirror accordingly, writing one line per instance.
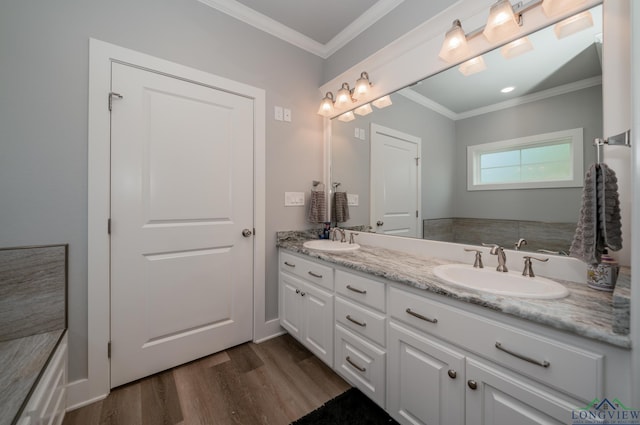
(405, 167)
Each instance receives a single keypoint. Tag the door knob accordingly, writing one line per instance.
(246, 233)
(379, 223)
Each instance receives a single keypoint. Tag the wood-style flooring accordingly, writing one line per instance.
(275, 383)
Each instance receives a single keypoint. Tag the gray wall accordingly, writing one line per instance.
(581, 108)
(43, 117)
(350, 156)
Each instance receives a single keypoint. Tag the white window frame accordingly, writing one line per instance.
(576, 135)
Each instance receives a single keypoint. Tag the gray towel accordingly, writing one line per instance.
(341, 207)
(317, 207)
(599, 224)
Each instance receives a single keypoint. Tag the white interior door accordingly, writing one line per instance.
(181, 195)
(395, 182)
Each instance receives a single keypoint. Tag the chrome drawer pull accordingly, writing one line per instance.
(297, 291)
(360, 368)
(351, 319)
(286, 263)
(359, 291)
(543, 363)
(452, 373)
(319, 276)
(472, 384)
(420, 316)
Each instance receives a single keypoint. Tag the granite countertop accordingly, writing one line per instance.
(23, 360)
(586, 312)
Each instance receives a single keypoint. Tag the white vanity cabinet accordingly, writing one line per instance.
(360, 333)
(306, 304)
(48, 401)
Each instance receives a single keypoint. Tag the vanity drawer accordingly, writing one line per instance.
(570, 369)
(366, 291)
(361, 320)
(361, 363)
(308, 270)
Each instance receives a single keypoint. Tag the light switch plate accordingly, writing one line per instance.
(278, 113)
(362, 134)
(293, 199)
(356, 133)
(352, 199)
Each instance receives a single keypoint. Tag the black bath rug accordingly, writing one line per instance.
(349, 408)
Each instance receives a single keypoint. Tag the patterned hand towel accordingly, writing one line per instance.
(341, 207)
(599, 224)
(317, 207)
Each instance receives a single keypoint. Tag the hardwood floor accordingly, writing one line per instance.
(275, 383)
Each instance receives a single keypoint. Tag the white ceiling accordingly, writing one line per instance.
(320, 27)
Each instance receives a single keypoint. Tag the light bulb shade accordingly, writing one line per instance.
(554, 8)
(516, 48)
(361, 88)
(343, 97)
(502, 22)
(347, 116)
(363, 110)
(326, 108)
(573, 24)
(455, 46)
(472, 66)
(383, 102)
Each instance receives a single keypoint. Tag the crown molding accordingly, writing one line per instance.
(270, 26)
(556, 91)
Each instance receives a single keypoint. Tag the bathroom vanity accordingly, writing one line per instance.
(431, 352)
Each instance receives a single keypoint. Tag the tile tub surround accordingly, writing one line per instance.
(23, 360)
(32, 290)
(584, 312)
(33, 311)
(539, 235)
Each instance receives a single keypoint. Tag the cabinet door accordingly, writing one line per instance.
(290, 305)
(501, 399)
(425, 380)
(317, 309)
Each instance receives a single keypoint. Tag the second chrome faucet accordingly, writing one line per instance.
(502, 257)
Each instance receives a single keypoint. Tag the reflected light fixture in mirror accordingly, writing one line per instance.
(363, 110)
(455, 45)
(516, 48)
(326, 105)
(573, 24)
(383, 102)
(347, 116)
(361, 88)
(472, 66)
(553, 8)
(502, 22)
(343, 97)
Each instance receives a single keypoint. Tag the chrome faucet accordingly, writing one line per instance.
(478, 260)
(528, 270)
(343, 236)
(352, 237)
(502, 257)
(518, 245)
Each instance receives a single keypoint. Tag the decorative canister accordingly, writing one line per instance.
(603, 276)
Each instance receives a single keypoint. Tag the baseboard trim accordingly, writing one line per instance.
(271, 329)
(76, 390)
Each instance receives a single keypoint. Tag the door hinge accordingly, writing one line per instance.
(111, 96)
(109, 226)
(254, 231)
(417, 161)
(109, 349)
(416, 213)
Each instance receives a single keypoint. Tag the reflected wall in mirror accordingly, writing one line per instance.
(557, 87)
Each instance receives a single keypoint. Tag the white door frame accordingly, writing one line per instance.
(96, 386)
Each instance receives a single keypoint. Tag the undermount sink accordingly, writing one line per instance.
(330, 246)
(512, 283)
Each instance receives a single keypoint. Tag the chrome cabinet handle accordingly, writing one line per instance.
(302, 294)
(297, 291)
(543, 363)
(359, 291)
(286, 263)
(452, 373)
(357, 322)
(379, 223)
(246, 233)
(360, 368)
(472, 384)
(420, 316)
(319, 276)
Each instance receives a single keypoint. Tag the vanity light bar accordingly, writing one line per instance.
(345, 96)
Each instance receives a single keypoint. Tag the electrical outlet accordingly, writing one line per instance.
(352, 199)
(278, 113)
(287, 114)
(293, 199)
